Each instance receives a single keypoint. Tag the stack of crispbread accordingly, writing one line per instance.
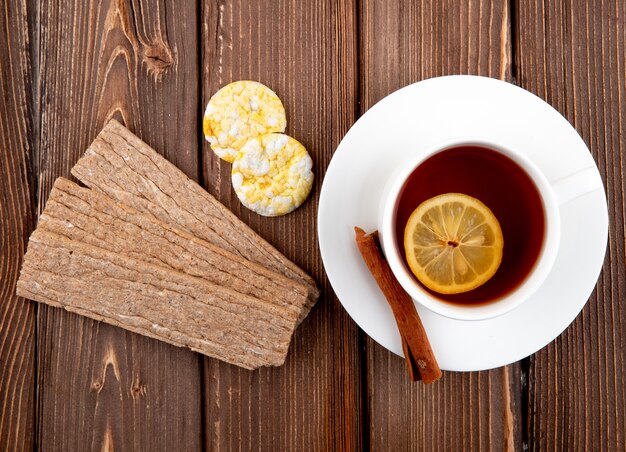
(147, 249)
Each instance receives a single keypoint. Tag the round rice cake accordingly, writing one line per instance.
(240, 111)
(272, 174)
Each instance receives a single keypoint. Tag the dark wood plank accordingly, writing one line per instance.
(573, 55)
(17, 316)
(101, 387)
(306, 52)
(400, 44)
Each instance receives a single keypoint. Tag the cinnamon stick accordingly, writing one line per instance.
(409, 359)
(420, 359)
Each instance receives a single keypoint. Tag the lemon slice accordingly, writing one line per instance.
(453, 243)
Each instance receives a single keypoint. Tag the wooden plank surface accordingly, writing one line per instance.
(17, 188)
(99, 386)
(402, 43)
(306, 52)
(573, 55)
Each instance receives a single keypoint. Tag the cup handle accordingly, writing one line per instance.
(570, 187)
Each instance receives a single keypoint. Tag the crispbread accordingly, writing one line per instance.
(151, 300)
(122, 166)
(88, 216)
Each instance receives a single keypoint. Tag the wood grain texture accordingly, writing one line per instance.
(403, 42)
(102, 388)
(306, 52)
(17, 316)
(573, 55)
(99, 386)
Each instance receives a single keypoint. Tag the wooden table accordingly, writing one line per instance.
(69, 383)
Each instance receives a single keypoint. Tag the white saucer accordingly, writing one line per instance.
(422, 115)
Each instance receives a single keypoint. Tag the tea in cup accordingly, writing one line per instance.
(512, 188)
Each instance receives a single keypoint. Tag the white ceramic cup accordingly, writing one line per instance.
(551, 195)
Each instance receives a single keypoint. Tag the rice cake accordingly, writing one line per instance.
(272, 174)
(240, 111)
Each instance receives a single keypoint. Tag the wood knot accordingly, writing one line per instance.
(96, 386)
(158, 57)
(137, 389)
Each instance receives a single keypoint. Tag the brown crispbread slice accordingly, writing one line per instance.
(125, 168)
(151, 300)
(88, 216)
